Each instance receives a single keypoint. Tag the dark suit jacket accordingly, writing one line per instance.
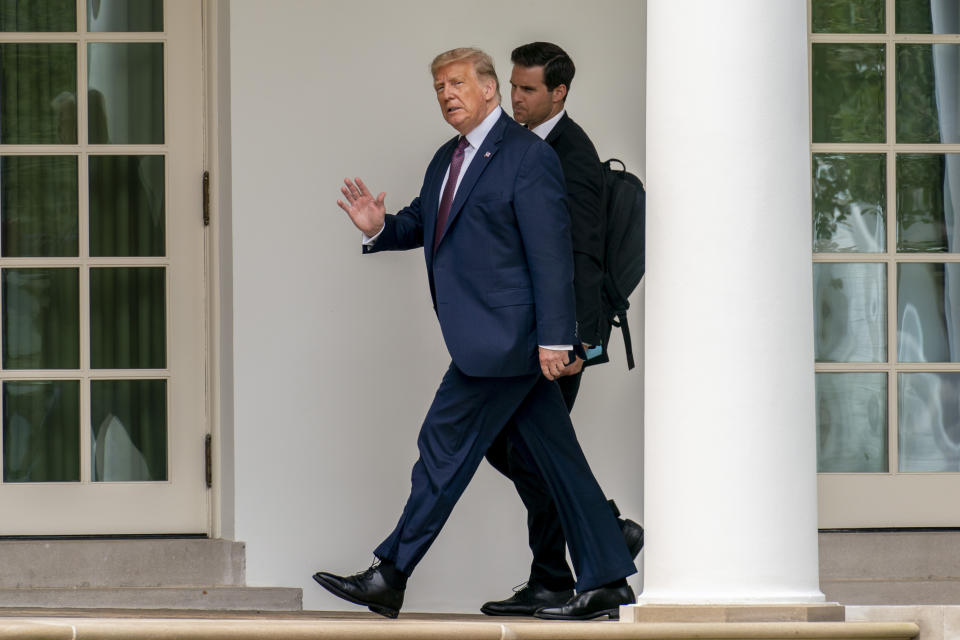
(584, 182)
(502, 276)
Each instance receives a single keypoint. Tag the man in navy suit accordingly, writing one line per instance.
(540, 81)
(492, 219)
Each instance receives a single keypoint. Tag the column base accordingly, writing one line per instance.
(821, 612)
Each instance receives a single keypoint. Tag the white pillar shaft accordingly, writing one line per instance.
(730, 451)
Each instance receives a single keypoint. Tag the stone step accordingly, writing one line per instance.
(436, 628)
(218, 598)
(180, 562)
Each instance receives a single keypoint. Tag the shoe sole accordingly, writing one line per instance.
(376, 608)
(518, 614)
(613, 614)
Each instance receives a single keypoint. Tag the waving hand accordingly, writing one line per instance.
(366, 212)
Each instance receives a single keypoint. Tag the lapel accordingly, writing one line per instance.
(483, 156)
(557, 129)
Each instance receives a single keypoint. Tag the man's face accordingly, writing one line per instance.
(465, 100)
(533, 103)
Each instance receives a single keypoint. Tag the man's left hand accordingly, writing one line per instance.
(573, 368)
(552, 363)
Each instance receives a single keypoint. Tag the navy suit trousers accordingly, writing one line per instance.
(465, 418)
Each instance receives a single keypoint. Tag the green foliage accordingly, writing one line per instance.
(917, 116)
(843, 182)
(848, 92)
(921, 223)
(848, 16)
(913, 16)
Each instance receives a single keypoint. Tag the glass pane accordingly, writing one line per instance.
(850, 312)
(926, 209)
(128, 436)
(38, 103)
(928, 312)
(38, 15)
(127, 318)
(851, 422)
(918, 16)
(927, 93)
(126, 206)
(41, 431)
(126, 92)
(41, 319)
(124, 15)
(38, 206)
(848, 16)
(929, 430)
(849, 200)
(848, 93)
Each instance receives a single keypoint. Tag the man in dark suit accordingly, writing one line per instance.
(492, 219)
(541, 78)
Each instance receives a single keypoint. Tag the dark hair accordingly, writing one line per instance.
(557, 66)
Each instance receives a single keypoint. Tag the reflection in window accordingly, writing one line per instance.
(41, 318)
(41, 431)
(928, 16)
(124, 15)
(38, 102)
(851, 422)
(849, 198)
(927, 93)
(848, 16)
(850, 312)
(928, 202)
(125, 92)
(48, 15)
(38, 206)
(929, 431)
(128, 419)
(928, 312)
(848, 92)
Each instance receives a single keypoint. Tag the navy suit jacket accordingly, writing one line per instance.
(501, 278)
(583, 174)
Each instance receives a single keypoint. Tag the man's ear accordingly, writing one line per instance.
(559, 93)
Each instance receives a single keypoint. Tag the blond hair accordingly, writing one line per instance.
(482, 63)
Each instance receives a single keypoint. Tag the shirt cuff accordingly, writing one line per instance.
(557, 347)
(371, 239)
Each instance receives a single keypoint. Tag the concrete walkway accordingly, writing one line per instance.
(39, 624)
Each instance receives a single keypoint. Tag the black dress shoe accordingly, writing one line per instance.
(587, 605)
(632, 535)
(366, 588)
(526, 601)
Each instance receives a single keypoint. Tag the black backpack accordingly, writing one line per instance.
(625, 254)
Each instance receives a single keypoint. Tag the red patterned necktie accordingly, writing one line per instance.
(447, 199)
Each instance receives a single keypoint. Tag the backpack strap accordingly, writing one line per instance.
(621, 321)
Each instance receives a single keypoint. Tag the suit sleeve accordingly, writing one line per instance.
(584, 183)
(401, 231)
(541, 210)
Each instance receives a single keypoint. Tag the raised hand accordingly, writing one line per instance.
(366, 212)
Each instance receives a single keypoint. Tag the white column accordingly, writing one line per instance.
(730, 504)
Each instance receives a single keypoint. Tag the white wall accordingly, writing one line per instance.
(336, 357)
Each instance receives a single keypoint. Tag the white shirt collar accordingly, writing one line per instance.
(544, 128)
(479, 133)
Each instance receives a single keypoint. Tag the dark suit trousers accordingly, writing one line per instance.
(466, 416)
(509, 455)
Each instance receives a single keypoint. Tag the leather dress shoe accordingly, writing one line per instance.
(586, 605)
(526, 601)
(365, 588)
(632, 535)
